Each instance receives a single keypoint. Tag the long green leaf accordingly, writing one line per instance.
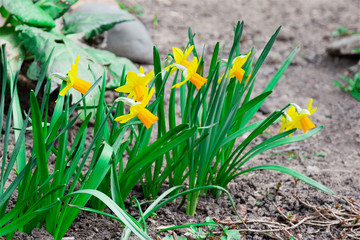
(39, 140)
(92, 182)
(18, 121)
(121, 214)
(24, 219)
(14, 49)
(293, 173)
(271, 84)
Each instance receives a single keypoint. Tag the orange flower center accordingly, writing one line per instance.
(147, 118)
(81, 85)
(198, 80)
(139, 92)
(306, 124)
(239, 74)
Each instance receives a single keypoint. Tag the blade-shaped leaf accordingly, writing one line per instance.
(27, 12)
(121, 214)
(293, 173)
(14, 50)
(92, 24)
(97, 175)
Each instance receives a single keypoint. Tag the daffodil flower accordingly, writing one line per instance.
(181, 56)
(298, 118)
(236, 69)
(72, 81)
(136, 85)
(138, 109)
(190, 74)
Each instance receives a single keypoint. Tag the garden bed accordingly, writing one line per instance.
(331, 157)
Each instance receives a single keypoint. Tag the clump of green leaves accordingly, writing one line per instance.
(352, 87)
(341, 31)
(221, 111)
(48, 197)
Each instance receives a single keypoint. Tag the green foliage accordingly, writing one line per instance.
(115, 65)
(221, 112)
(202, 146)
(134, 9)
(341, 31)
(21, 9)
(352, 87)
(15, 50)
(55, 8)
(33, 30)
(92, 24)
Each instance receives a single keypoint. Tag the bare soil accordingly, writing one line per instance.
(332, 157)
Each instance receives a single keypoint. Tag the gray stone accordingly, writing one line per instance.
(127, 39)
(345, 46)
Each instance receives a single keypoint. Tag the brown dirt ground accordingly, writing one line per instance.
(332, 157)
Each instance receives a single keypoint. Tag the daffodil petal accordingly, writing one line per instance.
(125, 88)
(178, 55)
(125, 118)
(65, 89)
(188, 51)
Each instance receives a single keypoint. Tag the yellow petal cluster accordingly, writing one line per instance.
(236, 69)
(189, 68)
(298, 118)
(74, 82)
(136, 85)
(138, 109)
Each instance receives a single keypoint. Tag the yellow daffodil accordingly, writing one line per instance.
(73, 81)
(298, 118)
(137, 109)
(236, 69)
(181, 56)
(190, 74)
(136, 84)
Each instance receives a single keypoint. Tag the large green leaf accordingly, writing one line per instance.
(27, 12)
(55, 8)
(92, 24)
(14, 50)
(114, 64)
(41, 43)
